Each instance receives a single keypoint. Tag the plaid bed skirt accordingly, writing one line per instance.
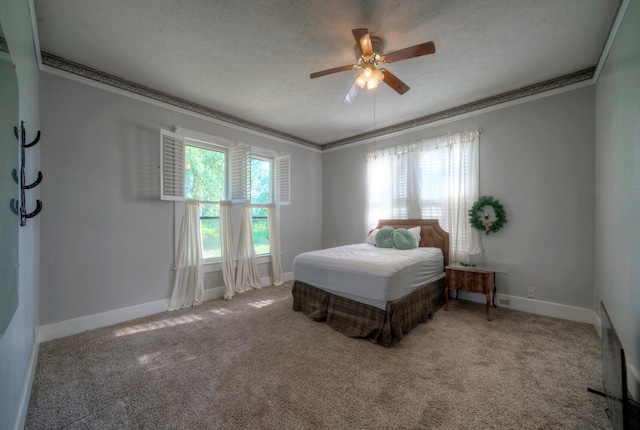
(357, 319)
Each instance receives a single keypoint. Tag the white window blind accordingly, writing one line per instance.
(240, 167)
(172, 166)
(282, 179)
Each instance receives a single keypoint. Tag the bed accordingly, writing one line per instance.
(368, 300)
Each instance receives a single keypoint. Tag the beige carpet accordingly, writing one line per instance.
(253, 363)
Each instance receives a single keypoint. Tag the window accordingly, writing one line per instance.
(269, 184)
(431, 179)
(211, 169)
(195, 169)
(261, 180)
(205, 173)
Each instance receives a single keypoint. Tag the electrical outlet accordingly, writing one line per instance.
(531, 292)
(505, 302)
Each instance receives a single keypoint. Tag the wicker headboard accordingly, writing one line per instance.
(431, 234)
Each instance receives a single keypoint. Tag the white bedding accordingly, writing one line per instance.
(369, 274)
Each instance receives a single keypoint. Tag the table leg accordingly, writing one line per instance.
(495, 291)
(446, 297)
(488, 306)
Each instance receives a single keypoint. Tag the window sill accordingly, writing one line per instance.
(216, 265)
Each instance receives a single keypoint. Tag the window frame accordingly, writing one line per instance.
(280, 164)
(198, 143)
(271, 161)
(217, 148)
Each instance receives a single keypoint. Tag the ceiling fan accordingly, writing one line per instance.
(370, 48)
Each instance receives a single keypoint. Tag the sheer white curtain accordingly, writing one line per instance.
(274, 243)
(430, 179)
(405, 181)
(463, 189)
(247, 277)
(226, 246)
(188, 286)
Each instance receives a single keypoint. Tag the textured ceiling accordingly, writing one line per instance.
(252, 59)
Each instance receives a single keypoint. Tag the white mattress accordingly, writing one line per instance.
(369, 274)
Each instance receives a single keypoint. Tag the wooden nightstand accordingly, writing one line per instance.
(476, 279)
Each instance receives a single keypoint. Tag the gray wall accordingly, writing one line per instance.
(18, 345)
(108, 243)
(107, 239)
(617, 247)
(537, 158)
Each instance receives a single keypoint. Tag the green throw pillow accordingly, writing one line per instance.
(404, 239)
(384, 238)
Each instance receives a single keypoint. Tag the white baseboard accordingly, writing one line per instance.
(218, 292)
(214, 293)
(28, 383)
(89, 322)
(538, 307)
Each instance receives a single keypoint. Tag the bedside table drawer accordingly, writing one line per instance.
(467, 280)
(482, 282)
(465, 283)
(474, 279)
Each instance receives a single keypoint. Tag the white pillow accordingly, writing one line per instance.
(371, 239)
(416, 233)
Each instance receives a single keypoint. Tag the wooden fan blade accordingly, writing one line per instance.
(331, 71)
(351, 94)
(363, 40)
(395, 83)
(411, 52)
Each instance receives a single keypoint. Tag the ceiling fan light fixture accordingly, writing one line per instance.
(368, 56)
(368, 71)
(378, 76)
(370, 77)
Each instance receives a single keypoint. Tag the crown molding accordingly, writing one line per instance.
(483, 104)
(613, 32)
(122, 84)
(570, 80)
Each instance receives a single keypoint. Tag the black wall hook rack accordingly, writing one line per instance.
(20, 209)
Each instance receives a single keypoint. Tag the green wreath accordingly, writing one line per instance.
(486, 225)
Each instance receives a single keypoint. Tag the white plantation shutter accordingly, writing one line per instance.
(172, 166)
(282, 180)
(240, 166)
